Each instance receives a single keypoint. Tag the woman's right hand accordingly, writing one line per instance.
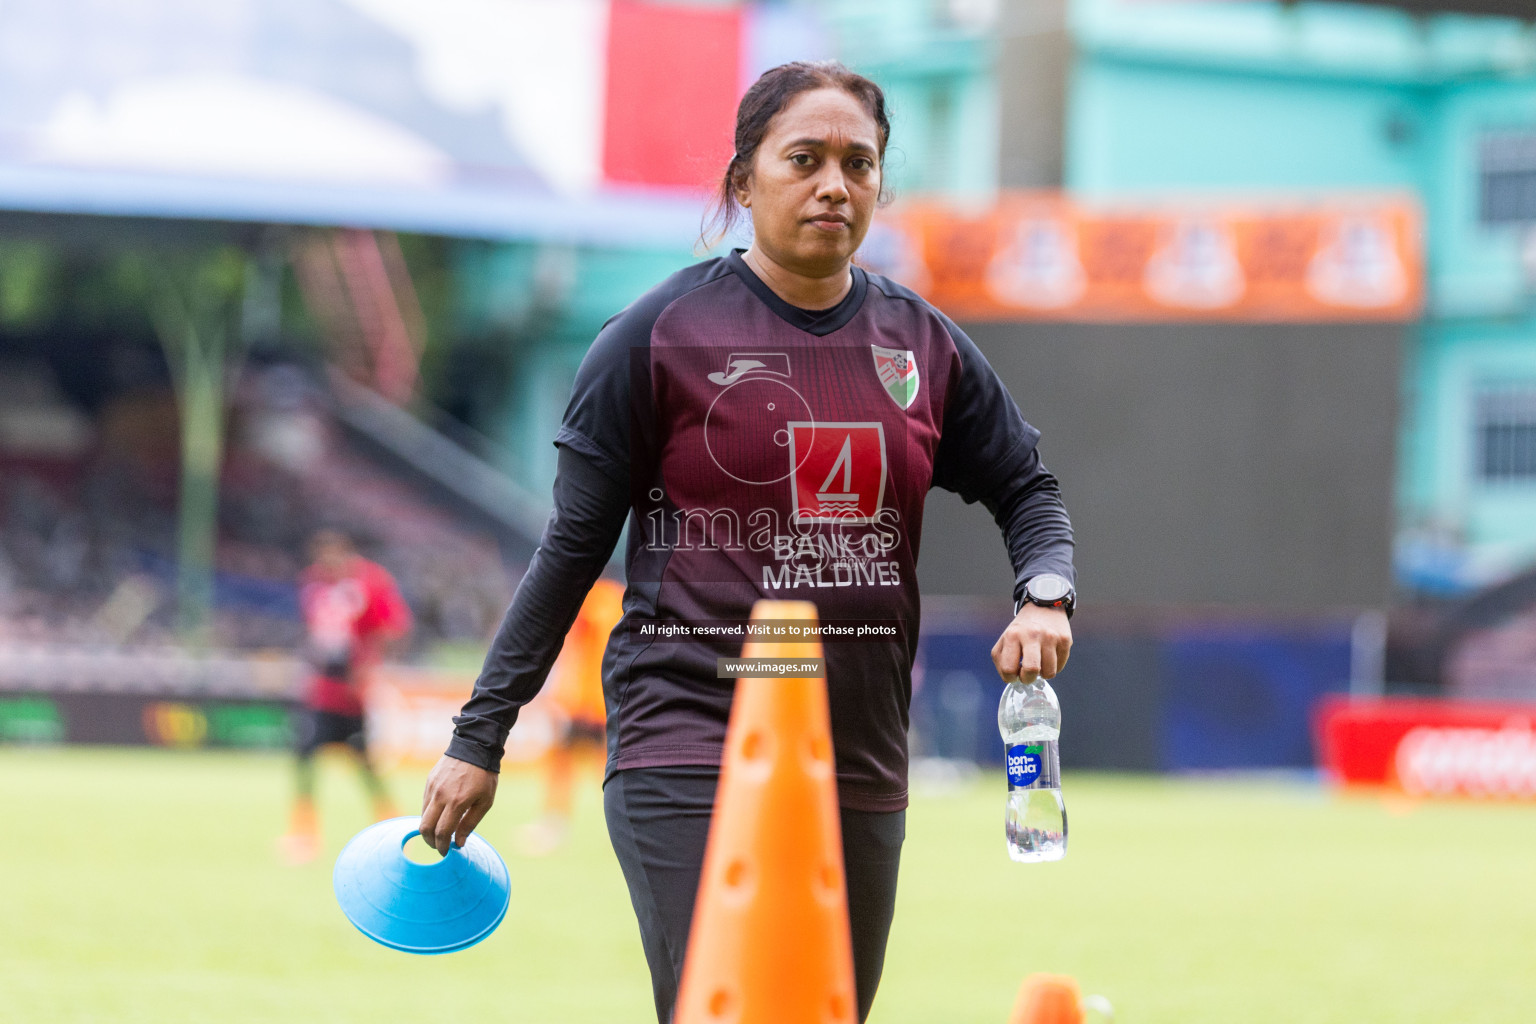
(457, 796)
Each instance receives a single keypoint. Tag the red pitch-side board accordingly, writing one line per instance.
(1430, 747)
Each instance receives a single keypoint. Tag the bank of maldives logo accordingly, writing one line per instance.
(838, 471)
(898, 372)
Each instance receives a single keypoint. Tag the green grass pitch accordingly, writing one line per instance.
(140, 885)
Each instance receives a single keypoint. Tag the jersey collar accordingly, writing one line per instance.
(819, 322)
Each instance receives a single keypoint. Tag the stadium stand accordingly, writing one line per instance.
(87, 513)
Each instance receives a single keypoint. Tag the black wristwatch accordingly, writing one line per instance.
(1049, 590)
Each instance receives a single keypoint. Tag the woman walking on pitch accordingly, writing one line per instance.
(769, 423)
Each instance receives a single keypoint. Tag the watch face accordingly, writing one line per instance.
(1048, 587)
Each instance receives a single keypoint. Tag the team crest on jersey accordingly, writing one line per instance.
(838, 471)
(898, 372)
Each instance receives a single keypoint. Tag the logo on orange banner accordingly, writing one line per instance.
(410, 717)
(1037, 265)
(1043, 256)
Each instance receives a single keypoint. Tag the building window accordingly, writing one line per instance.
(1506, 434)
(1509, 178)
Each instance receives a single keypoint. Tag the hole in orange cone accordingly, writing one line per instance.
(775, 879)
(755, 747)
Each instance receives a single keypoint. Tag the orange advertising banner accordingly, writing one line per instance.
(410, 717)
(1042, 256)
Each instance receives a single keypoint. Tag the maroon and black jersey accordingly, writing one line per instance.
(761, 450)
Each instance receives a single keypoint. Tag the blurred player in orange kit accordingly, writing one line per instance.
(576, 691)
(352, 611)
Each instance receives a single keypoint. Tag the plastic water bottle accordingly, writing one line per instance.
(1030, 720)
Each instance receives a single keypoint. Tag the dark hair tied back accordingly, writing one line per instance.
(770, 94)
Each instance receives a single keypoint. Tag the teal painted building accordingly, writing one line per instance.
(936, 61)
(525, 314)
(1147, 100)
(1260, 98)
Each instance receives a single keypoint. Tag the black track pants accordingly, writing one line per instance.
(658, 820)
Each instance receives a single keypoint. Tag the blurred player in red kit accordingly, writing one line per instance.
(352, 612)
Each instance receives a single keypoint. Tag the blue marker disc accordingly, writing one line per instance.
(420, 908)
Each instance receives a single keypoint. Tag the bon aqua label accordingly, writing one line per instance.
(1024, 762)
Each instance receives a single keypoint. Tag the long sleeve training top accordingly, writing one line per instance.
(755, 450)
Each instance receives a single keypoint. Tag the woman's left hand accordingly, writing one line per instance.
(1036, 643)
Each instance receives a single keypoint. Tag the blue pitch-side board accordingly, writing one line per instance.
(1186, 698)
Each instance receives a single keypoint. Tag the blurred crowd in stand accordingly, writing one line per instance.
(88, 518)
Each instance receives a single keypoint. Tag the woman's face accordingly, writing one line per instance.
(814, 183)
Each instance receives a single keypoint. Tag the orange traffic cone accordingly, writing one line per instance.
(770, 942)
(1048, 999)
